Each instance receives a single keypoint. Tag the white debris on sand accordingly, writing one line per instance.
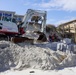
(22, 56)
(66, 71)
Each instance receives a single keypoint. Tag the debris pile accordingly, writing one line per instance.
(22, 56)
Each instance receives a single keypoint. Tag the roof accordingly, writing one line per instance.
(68, 22)
(19, 15)
(7, 11)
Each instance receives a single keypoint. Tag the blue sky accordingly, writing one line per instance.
(58, 11)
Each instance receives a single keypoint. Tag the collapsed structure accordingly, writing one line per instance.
(22, 56)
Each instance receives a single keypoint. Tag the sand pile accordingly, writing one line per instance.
(22, 56)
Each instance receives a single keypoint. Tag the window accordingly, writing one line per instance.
(14, 20)
(0, 14)
(1, 25)
(6, 17)
(0, 17)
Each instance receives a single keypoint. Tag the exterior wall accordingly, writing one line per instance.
(4, 14)
(69, 28)
(8, 15)
(18, 17)
(75, 37)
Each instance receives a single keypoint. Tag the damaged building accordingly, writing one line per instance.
(68, 30)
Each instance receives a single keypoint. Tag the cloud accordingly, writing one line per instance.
(68, 5)
(28, 3)
(57, 22)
